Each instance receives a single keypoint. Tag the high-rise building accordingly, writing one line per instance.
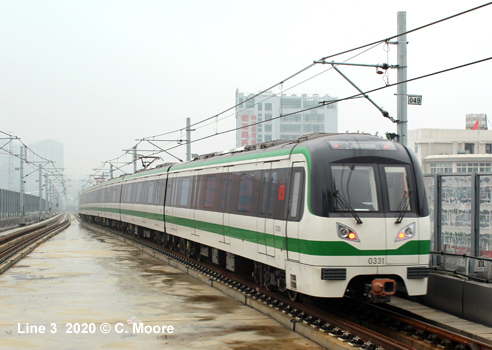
(266, 109)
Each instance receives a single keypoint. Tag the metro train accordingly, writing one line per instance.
(326, 215)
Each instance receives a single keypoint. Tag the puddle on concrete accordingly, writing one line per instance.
(82, 277)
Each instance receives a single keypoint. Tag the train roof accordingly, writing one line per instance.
(314, 143)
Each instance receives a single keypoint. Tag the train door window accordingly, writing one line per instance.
(225, 194)
(114, 194)
(264, 192)
(296, 194)
(398, 190)
(157, 192)
(119, 189)
(124, 189)
(245, 193)
(171, 191)
(273, 190)
(282, 194)
(185, 192)
(197, 200)
(150, 192)
(175, 186)
(210, 188)
(162, 192)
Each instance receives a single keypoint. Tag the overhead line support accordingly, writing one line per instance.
(383, 112)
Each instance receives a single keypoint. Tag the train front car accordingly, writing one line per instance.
(366, 230)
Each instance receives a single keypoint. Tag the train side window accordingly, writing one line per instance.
(134, 193)
(129, 193)
(150, 192)
(296, 195)
(245, 193)
(185, 192)
(138, 199)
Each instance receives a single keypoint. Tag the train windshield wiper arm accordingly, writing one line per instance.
(402, 207)
(342, 202)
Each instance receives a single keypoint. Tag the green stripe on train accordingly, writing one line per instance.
(303, 246)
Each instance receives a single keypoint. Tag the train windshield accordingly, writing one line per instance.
(398, 191)
(354, 188)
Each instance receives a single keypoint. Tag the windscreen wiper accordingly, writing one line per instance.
(345, 205)
(402, 207)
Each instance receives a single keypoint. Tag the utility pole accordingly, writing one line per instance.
(188, 139)
(402, 76)
(135, 159)
(46, 192)
(111, 171)
(21, 168)
(40, 192)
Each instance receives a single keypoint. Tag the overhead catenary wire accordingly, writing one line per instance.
(43, 164)
(385, 40)
(341, 99)
(375, 43)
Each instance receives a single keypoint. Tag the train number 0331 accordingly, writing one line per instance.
(375, 261)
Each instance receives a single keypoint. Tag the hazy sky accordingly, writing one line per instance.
(96, 75)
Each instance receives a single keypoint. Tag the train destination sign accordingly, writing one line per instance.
(415, 100)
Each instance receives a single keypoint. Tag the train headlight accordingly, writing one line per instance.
(347, 233)
(406, 232)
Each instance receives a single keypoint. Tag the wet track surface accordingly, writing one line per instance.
(82, 277)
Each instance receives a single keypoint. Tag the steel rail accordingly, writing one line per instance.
(30, 237)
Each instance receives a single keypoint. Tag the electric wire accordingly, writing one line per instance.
(342, 99)
(375, 43)
(327, 57)
(409, 31)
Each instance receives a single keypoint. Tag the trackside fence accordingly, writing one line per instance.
(461, 214)
(10, 204)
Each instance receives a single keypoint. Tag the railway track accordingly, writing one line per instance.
(15, 246)
(350, 324)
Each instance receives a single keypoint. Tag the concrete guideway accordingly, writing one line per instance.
(80, 277)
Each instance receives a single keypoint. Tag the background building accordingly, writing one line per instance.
(267, 107)
(454, 150)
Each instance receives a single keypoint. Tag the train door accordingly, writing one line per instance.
(265, 223)
(294, 210)
(195, 229)
(225, 203)
(172, 192)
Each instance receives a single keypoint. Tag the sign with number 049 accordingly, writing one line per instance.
(415, 100)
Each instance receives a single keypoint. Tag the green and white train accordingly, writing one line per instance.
(324, 215)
